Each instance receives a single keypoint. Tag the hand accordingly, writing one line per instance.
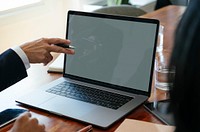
(39, 51)
(25, 123)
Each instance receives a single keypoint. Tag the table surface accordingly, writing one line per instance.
(37, 76)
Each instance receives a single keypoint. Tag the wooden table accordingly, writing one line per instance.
(37, 76)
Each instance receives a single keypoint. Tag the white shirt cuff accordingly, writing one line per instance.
(22, 55)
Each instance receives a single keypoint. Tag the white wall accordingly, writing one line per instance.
(47, 19)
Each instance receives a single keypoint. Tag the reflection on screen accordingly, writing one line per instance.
(113, 51)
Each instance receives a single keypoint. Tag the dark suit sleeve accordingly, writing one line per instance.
(12, 69)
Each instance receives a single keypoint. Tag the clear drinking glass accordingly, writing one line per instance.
(164, 73)
(160, 39)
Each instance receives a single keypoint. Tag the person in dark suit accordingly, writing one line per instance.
(185, 94)
(13, 65)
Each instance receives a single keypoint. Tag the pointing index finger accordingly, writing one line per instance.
(57, 41)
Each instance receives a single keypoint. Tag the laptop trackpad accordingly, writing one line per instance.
(67, 107)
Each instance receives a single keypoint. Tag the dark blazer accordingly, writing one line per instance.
(12, 69)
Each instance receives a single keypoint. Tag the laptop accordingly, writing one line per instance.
(110, 74)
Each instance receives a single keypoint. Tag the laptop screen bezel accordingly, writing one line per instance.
(117, 17)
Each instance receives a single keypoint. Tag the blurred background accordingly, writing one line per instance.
(26, 20)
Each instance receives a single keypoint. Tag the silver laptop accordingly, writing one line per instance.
(109, 75)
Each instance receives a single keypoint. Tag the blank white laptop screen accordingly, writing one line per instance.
(113, 51)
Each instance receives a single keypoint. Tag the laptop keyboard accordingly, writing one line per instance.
(91, 95)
